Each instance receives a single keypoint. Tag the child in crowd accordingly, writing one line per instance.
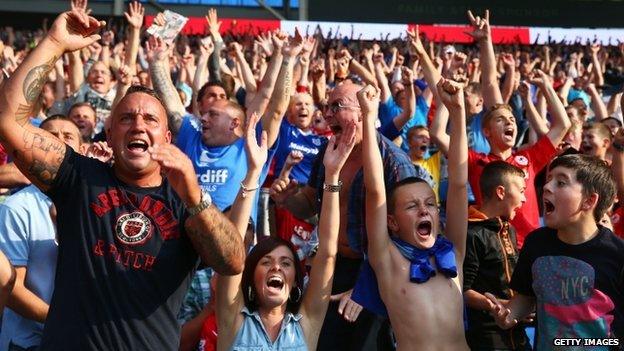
(597, 141)
(491, 256)
(425, 308)
(570, 271)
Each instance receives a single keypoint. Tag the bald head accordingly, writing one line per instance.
(346, 93)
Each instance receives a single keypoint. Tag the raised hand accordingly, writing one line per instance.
(368, 97)
(256, 154)
(74, 30)
(278, 38)
(264, 41)
(294, 46)
(508, 60)
(539, 78)
(407, 76)
(480, 26)
(524, 90)
(135, 14)
(294, 157)
(206, 47)
(125, 75)
(502, 314)
(160, 19)
(214, 25)
(415, 45)
(595, 48)
(177, 167)
(80, 5)
(156, 49)
(337, 152)
(108, 37)
(100, 151)
(308, 46)
(451, 94)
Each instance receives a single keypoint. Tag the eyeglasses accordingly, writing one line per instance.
(334, 107)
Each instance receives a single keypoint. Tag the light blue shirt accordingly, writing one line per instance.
(27, 238)
(220, 169)
(253, 336)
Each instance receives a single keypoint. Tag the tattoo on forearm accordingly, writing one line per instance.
(35, 79)
(164, 87)
(217, 242)
(44, 154)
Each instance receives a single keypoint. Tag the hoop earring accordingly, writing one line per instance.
(295, 294)
(250, 294)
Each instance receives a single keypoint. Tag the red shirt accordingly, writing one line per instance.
(531, 160)
(617, 220)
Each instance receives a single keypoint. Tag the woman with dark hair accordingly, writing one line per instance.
(265, 307)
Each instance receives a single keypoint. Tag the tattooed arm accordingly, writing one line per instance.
(161, 79)
(283, 88)
(214, 237)
(37, 153)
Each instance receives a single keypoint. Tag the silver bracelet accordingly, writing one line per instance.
(247, 190)
(333, 188)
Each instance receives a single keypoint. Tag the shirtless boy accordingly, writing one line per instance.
(425, 306)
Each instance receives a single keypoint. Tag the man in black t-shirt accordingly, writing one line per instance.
(572, 271)
(130, 236)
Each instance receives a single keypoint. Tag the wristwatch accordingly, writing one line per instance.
(205, 202)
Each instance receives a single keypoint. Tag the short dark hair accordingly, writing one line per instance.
(494, 175)
(414, 129)
(473, 88)
(202, 90)
(247, 281)
(81, 104)
(394, 189)
(58, 117)
(145, 90)
(594, 175)
(601, 128)
(488, 114)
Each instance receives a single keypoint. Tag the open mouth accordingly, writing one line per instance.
(424, 228)
(423, 148)
(586, 148)
(275, 282)
(548, 207)
(137, 145)
(509, 133)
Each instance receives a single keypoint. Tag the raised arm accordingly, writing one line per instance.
(599, 107)
(536, 121)
(407, 78)
(76, 71)
(438, 127)
(316, 298)
(37, 153)
(246, 74)
(382, 80)
(201, 72)
(283, 88)
(452, 96)
(157, 56)
(214, 25)
(134, 16)
(560, 121)
(509, 65)
(432, 75)
(229, 294)
(263, 95)
(482, 35)
(376, 204)
(357, 68)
